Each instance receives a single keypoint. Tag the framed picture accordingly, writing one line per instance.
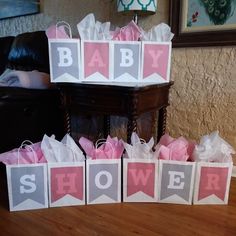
(198, 23)
(13, 8)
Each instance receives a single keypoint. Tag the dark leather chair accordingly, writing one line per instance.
(27, 113)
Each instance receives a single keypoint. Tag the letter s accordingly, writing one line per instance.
(27, 181)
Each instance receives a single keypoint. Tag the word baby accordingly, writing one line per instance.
(73, 60)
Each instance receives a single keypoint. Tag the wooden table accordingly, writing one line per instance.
(129, 101)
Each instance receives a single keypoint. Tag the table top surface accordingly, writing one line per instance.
(118, 85)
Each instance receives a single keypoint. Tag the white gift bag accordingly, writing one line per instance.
(96, 60)
(27, 184)
(64, 58)
(66, 183)
(140, 180)
(126, 61)
(212, 183)
(156, 61)
(103, 178)
(176, 181)
(66, 171)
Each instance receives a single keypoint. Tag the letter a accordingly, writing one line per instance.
(96, 59)
(27, 180)
(65, 57)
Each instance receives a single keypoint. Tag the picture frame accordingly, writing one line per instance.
(14, 8)
(202, 36)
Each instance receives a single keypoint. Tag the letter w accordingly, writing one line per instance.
(140, 176)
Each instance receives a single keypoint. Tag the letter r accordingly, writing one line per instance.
(213, 182)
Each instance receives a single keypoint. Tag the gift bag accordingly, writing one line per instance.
(96, 60)
(27, 183)
(140, 180)
(103, 179)
(126, 53)
(156, 60)
(214, 169)
(212, 183)
(176, 181)
(66, 183)
(126, 58)
(64, 55)
(140, 171)
(176, 171)
(66, 171)
(103, 170)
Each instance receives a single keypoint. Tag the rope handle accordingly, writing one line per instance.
(25, 145)
(103, 141)
(66, 25)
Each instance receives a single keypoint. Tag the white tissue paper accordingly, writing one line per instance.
(213, 148)
(90, 29)
(64, 151)
(158, 33)
(139, 149)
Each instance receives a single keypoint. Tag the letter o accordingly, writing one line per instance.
(109, 180)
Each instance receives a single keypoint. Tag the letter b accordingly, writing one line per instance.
(65, 57)
(127, 59)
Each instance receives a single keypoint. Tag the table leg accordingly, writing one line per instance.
(154, 127)
(67, 122)
(131, 127)
(107, 126)
(67, 114)
(161, 123)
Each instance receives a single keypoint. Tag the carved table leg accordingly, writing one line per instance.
(67, 116)
(161, 123)
(107, 125)
(67, 122)
(154, 127)
(131, 127)
(132, 119)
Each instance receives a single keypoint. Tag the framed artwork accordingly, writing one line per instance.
(13, 8)
(198, 23)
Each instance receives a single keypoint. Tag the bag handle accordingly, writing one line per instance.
(66, 25)
(103, 141)
(142, 141)
(25, 144)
